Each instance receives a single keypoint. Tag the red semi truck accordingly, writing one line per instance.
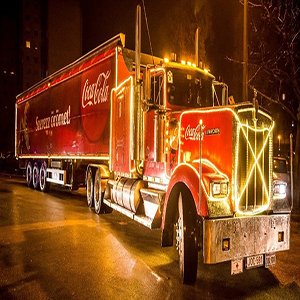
(148, 139)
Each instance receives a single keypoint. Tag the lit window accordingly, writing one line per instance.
(27, 44)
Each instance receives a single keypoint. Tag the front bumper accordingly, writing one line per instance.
(247, 236)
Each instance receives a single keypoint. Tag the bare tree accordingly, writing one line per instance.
(274, 60)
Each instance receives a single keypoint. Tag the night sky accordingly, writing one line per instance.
(102, 20)
(223, 41)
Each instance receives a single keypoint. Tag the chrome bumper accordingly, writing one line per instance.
(247, 236)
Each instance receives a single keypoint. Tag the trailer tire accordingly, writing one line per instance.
(36, 176)
(186, 242)
(29, 174)
(89, 187)
(44, 185)
(98, 194)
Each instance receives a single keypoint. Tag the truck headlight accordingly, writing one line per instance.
(279, 190)
(219, 189)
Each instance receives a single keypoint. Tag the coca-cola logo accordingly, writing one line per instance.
(97, 92)
(96, 85)
(192, 133)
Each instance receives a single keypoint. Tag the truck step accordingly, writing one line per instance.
(153, 195)
(142, 219)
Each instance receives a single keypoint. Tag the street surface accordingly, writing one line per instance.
(53, 247)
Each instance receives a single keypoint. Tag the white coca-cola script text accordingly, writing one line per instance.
(192, 133)
(97, 92)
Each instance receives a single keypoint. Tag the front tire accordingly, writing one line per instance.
(186, 242)
(98, 195)
(89, 187)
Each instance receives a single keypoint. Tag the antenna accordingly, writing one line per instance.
(146, 19)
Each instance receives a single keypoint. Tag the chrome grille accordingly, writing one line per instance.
(253, 161)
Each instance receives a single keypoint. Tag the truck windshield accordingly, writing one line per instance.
(189, 88)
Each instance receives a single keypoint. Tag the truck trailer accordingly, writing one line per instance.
(147, 137)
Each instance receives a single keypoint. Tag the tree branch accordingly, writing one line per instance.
(293, 115)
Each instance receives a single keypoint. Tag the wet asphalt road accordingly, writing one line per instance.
(53, 247)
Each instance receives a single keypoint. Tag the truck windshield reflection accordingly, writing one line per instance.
(189, 89)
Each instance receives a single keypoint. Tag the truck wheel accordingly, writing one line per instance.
(44, 185)
(186, 243)
(36, 176)
(89, 187)
(29, 175)
(98, 195)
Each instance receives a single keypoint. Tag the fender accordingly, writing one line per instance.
(188, 175)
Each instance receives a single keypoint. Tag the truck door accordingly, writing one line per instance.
(155, 126)
(121, 128)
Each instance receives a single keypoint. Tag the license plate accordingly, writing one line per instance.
(270, 260)
(254, 261)
(55, 176)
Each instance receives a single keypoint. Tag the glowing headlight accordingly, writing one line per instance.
(279, 189)
(219, 189)
(216, 189)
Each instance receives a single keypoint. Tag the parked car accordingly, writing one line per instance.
(281, 184)
(9, 163)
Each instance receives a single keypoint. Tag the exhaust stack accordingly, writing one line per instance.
(138, 117)
(197, 47)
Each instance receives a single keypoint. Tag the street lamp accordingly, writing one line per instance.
(279, 138)
(245, 52)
